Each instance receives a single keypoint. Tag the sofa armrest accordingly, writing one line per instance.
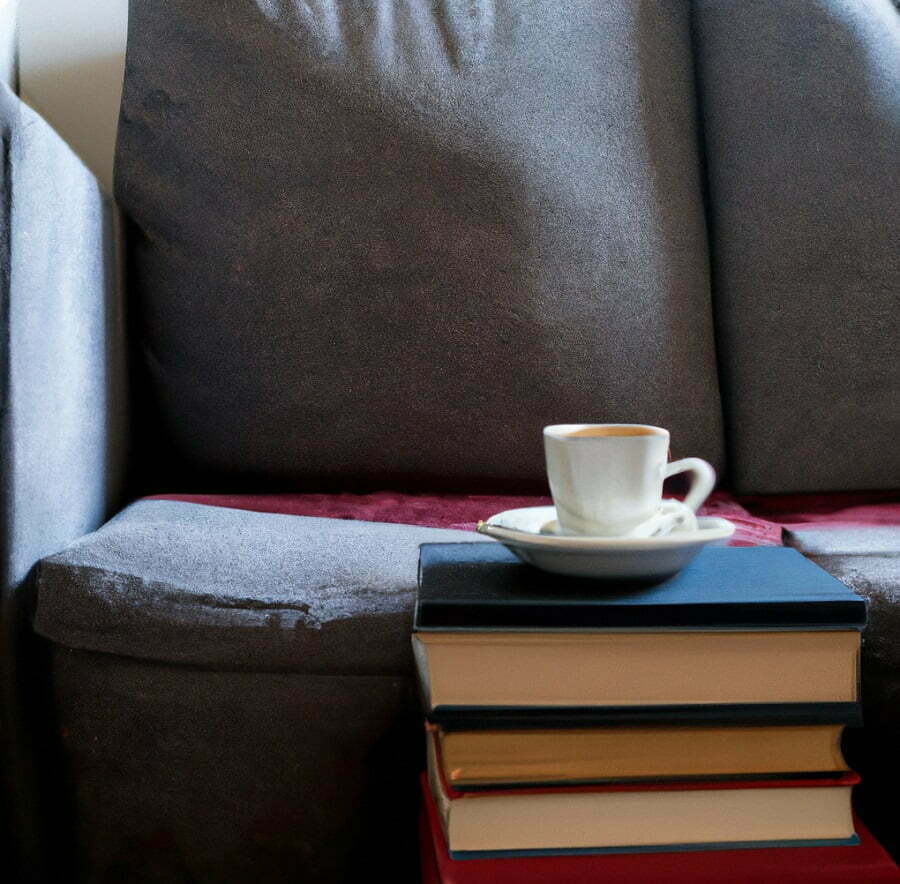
(62, 383)
(62, 354)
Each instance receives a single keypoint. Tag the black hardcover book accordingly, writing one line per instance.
(483, 587)
(470, 718)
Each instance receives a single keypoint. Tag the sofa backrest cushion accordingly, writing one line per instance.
(385, 241)
(801, 106)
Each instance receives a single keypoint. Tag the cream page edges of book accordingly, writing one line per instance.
(566, 820)
(637, 668)
(494, 757)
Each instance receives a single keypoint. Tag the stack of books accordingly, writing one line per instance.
(578, 732)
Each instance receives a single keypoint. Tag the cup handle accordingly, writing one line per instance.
(703, 482)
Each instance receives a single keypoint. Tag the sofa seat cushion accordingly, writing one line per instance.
(214, 586)
(312, 582)
(845, 539)
(315, 583)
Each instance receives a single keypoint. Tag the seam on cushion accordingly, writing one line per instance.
(5, 360)
(226, 668)
(706, 199)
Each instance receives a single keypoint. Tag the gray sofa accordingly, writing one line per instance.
(376, 244)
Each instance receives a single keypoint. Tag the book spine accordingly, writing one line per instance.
(451, 718)
(445, 615)
(852, 841)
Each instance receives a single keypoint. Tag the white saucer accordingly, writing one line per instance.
(605, 558)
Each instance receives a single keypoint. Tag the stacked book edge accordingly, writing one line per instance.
(566, 719)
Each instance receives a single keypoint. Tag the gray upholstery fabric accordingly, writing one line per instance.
(801, 109)
(872, 749)
(62, 401)
(205, 585)
(846, 540)
(62, 371)
(388, 240)
(186, 775)
(868, 560)
(203, 761)
(877, 578)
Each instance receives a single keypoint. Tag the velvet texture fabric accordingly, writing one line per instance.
(458, 511)
(62, 411)
(385, 242)
(801, 110)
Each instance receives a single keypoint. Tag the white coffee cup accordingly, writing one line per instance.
(607, 479)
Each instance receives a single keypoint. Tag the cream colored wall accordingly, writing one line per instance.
(71, 63)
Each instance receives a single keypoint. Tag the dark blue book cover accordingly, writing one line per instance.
(483, 586)
(493, 718)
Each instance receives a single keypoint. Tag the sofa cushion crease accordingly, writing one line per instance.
(208, 586)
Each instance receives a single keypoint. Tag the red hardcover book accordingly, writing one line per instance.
(865, 863)
(428, 860)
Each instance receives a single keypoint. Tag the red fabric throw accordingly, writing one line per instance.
(758, 521)
(829, 510)
(460, 511)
